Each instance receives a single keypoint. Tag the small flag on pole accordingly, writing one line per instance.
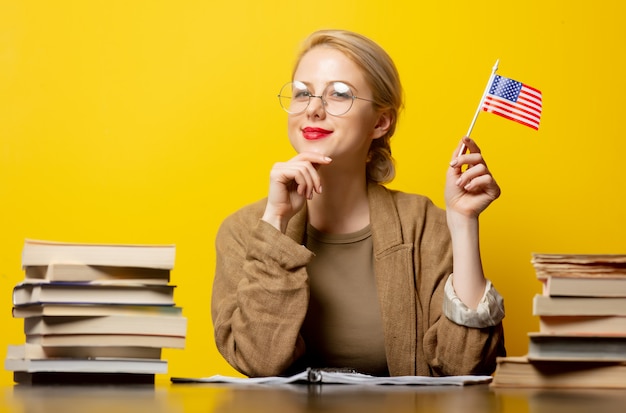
(514, 100)
(510, 99)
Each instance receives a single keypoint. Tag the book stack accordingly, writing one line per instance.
(582, 325)
(95, 312)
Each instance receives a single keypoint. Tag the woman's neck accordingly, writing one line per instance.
(342, 207)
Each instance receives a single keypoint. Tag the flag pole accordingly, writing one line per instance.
(480, 104)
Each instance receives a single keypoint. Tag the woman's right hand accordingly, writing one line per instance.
(291, 184)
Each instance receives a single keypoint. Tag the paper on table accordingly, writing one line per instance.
(334, 377)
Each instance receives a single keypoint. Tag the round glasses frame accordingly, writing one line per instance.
(336, 94)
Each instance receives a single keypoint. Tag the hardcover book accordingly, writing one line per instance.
(579, 306)
(520, 372)
(82, 273)
(88, 365)
(583, 325)
(37, 351)
(37, 310)
(89, 293)
(591, 348)
(43, 253)
(146, 325)
(99, 340)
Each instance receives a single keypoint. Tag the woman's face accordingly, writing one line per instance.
(344, 138)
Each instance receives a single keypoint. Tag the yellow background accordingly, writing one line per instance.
(150, 121)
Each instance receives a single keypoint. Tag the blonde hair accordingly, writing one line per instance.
(382, 77)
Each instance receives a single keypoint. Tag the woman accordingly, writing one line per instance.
(334, 270)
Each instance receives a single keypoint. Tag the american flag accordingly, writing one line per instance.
(514, 100)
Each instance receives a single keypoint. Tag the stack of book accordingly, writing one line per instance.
(95, 312)
(582, 325)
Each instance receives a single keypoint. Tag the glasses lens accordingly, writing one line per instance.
(294, 97)
(338, 98)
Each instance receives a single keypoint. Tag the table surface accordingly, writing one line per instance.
(205, 398)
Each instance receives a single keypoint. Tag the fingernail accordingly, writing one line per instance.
(454, 162)
(326, 158)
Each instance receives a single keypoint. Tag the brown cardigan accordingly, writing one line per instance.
(260, 292)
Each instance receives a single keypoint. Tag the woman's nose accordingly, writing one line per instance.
(317, 105)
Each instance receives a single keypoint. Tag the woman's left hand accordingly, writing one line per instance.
(471, 191)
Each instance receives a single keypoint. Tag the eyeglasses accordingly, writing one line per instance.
(337, 98)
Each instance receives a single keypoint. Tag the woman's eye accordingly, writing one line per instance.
(340, 91)
(341, 95)
(301, 94)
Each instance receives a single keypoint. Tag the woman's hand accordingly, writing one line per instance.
(291, 184)
(467, 194)
(470, 192)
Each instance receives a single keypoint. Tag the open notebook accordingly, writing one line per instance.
(340, 377)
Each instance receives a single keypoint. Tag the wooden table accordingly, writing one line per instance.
(203, 398)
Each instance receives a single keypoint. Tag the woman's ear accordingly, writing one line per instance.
(383, 124)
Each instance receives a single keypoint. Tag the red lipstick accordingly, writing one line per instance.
(312, 134)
